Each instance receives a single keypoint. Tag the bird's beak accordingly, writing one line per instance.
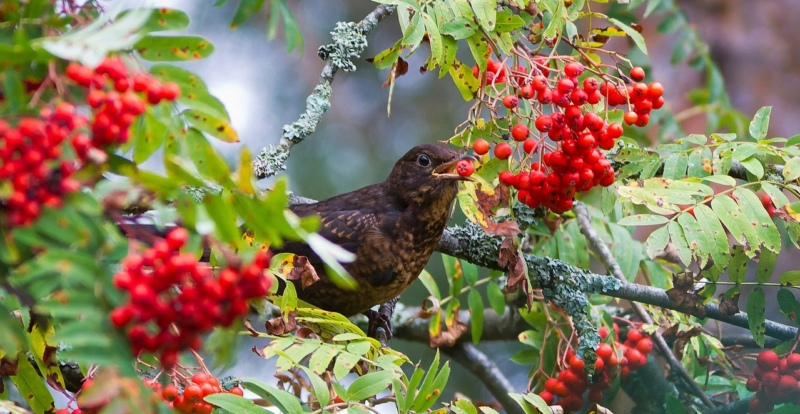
(447, 171)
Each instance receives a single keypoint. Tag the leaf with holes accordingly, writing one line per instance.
(214, 126)
(756, 303)
(173, 48)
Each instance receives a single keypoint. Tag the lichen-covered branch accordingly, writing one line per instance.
(488, 372)
(349, 40)
(608, 260)
(470, 243)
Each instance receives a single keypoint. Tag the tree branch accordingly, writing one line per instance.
(470, 243)
(585, 224)
(487, 372)
(349, 40)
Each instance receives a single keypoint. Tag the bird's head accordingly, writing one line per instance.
(427, 173)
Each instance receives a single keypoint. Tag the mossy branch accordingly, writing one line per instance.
(349, 40)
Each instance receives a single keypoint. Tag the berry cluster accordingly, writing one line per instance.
(189, 399)
(572, 382)
(174, 299)
(775, 381)
(114, 96)
(30, 158)
(562, 155)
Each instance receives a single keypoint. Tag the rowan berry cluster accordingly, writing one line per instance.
(174, 299)
(775, 381)
(31, 152)
(571, 383)
(561, 155)
(114, 96)
(31, 163)
(187, 396)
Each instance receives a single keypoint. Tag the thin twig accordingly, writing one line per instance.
(607, 258)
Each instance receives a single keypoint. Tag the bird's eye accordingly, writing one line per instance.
(423, 160)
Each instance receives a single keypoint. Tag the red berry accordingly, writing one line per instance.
(565, 86)
(573, 69)
(169, 393)
(768, 360)
(793, 361)
(655, 90)
(576, 364)
(170, 91)
(543, 123)
(465, 168)
(177, 238)
(604, 351)
(511, 101)
(630, 118)
(637, 74)
(595, 396)
(547, 396)
(752, 384)
(634, 335)
(525, 92)
(645, 345)
(519, 132)
(507, 178)
(480, 146)
(502, 150)
(529, 146)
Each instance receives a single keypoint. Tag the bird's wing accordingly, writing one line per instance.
(357, 231)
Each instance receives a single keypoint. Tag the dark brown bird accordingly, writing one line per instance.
(392, 227)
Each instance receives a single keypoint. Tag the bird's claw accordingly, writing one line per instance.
(377, 320)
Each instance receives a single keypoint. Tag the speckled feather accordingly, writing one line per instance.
(392, 227)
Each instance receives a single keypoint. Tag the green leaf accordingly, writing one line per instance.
(464, 80)
(485, 13)
(743, 151)
(282, 400)
(243, 12)
(319, 386)
(756, 316)
(715, 233)
(459, 28)
(234, 403)
(206, 159)
(90, 44)
(475, 303)
(680, 243)
(759, 219)
(675, 165)
(753, 166)
(148, 134)
(31, 387)
(344, 363)
(220, 208)
(497, 300)
(219, 128)
(163, 19)
(729, 213)
(369, 385)
(657, 241)
(790, 278)
(173, 48)
(12, 334)
(791, 171)
(788, 304)
(430, 284)
(643, 220)
(13, 91)
(632, 33)
(696, 238)
(766, 265)
(760, 123)
(738, 265)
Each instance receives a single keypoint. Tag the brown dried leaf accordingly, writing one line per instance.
(729, 305)
(450, 336)
(510, 259)
(281, 326)
(303, 271)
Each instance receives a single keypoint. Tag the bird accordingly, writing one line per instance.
(392, 227)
